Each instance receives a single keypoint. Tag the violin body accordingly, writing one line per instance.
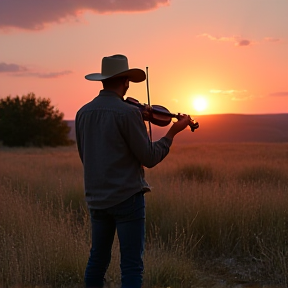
(157, 114)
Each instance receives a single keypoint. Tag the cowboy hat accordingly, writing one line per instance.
(117, 66)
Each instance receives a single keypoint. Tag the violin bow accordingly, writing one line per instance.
(147, 85)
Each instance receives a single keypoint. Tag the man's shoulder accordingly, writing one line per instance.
(83, 108)
(129, 107)
(116, 105)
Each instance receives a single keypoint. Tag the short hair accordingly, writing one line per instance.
(114, 82)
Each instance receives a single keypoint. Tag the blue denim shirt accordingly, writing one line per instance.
(114, 146)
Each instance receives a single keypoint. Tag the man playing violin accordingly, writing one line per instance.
(114, 147)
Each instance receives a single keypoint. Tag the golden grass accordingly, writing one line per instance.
(212, 204)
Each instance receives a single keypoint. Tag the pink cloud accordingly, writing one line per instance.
(271, 39)
(8, 68)
(243, 42)
(45, 75)
(35, 14)
(237, 40)
(16, 70)
(235, 95)
(279, 94)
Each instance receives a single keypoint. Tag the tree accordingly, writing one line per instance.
(31, 121)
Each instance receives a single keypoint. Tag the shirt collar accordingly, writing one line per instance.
(109, 93)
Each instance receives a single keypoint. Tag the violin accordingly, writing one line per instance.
(158, 115)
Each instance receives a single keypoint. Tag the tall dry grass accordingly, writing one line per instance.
(221, 208)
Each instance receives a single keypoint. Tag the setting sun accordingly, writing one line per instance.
(200, 103)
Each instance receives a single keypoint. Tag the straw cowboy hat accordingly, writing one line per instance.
(116, 66)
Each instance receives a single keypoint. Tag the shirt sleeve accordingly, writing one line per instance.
(135, 133)
(79, 136)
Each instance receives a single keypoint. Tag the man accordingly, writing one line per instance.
(114, 146)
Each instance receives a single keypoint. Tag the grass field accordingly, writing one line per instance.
(217, 214)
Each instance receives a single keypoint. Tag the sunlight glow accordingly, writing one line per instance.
(200, 103)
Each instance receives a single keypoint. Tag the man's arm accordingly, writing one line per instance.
(147, 152)
(178, 126)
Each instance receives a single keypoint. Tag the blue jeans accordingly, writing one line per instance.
(128, 218)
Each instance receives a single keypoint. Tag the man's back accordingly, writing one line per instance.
(113, 144)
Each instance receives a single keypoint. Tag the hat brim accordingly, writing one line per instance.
(134, 75)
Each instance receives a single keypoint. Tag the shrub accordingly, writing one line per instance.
(31, 121)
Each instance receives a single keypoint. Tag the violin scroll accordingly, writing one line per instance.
(194, 125)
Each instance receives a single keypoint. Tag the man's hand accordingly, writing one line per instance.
(178, 126)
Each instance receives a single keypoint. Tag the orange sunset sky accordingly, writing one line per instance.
(231, 53)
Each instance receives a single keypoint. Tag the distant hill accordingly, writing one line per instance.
(228, 128)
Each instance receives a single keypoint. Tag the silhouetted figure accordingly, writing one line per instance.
(114, 146)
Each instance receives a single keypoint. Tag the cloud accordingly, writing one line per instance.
(44, 75)
(235, 95)
(237, 40)
(279, 94)
(271, 39)
(240, 95)
(213, 38)
(243, 42)
(8, 68)
(35, 14)
(22, 71)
